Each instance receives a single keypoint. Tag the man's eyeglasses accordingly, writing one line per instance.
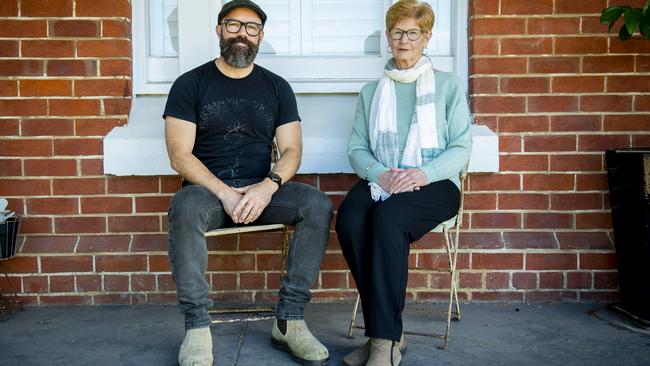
(412, 34)
(234, 26)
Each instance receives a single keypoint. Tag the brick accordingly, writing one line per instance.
(498, 261)
(600, 296)
(579, 163)
(36, 225)
(104, 48)
(23, 187)
(9, 8)
(103, 8)
(50, 167)
(591, 182)
(50, 87)
(336, 280)
(606, 103)
(74, 107)
(21, 67)
(121, 263)
(576, 201)
(72, 225)
(608, 64)
(23, 28)
(643, 63)
(642, 103)
(26, 147)
(311, 179)
(526, 46)
(74, 28)
(8, 88)
(483, 46)
(594, 220)
(494, 182)
(143, 282)
(78, 186)
(592, 25)
(579, 84)
(576, 123)
(548, 182)
(35, 284)
(495, 220)
(526, 123)
(525, 85)
(426, 261)
(552, 143)
(498, 65)
(523, 201)
(580, 45)
(634, 45)
(62, 284)
(578, 280)
(499, 104)
(524, 280)
(103, 243)
(78, 146)
(330, 262)
(23, 107)
(485, 7)
(49, 244)
(640, 141)
(96, 126)
(553, 26)
(627, 122)
(529, 240)
(228, 281)
(628, 84)
(46, 8)
(52, 206)
(602, 261)
(134, 224)
(88, 283)
(480, 201)
(115, 67)
(116, 28)
(553, 104)
(494, 26)
(480, 240)
(65, 300)
(260, 241)
(602, 142)
(509, 144)
(159, 263)
(554, 65)
(92, 166)
(66, 264)
(116, 283)
(552, 261)
(20, 264)
(72, 67)
(483, 85)
(470, 280)
(222, 243)
(337, 182)
(233, 262)
(548, 221)
(107, 204)
(47, 48)
(551, 296)
(8, 48)
(499, 296)
(114, 107)
(606, 280)
(9, 167)
(526, 7)
(497, 280)
(551, 280)
(132, 185)
(581, 7)
(523, 163)
(102, 87)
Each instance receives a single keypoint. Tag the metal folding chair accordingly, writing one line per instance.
(450, 230)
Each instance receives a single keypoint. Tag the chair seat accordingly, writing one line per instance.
(449, 224)
(244, 229)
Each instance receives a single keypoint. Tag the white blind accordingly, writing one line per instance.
(440, 43)
(163, 28)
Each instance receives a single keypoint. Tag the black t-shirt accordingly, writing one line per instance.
(235, 118)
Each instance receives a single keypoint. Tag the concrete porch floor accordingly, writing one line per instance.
(488, 334)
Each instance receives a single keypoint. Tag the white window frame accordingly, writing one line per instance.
(306, 75)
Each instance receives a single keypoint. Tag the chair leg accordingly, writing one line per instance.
(285, 252)
(452, 287)
(354, 316)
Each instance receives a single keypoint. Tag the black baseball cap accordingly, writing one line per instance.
(229, 6)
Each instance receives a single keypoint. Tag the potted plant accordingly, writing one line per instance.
(633, 19)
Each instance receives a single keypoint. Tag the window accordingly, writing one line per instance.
(319, 46)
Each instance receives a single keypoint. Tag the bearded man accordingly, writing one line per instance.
(220, 122)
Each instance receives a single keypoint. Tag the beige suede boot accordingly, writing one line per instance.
(196, 349)
(303, 346)
(359, 356)
(384, 353)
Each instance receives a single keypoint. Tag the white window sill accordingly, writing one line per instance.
(139, 147)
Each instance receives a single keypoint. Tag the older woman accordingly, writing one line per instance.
(409, 143)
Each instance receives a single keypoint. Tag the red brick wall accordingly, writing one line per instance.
(543, 73)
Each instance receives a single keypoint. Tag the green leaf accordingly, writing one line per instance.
(644, 27)
(646, 9)
(623, 34)
(632, 20)
(610, 14)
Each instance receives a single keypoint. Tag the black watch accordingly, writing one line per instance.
(275, 179)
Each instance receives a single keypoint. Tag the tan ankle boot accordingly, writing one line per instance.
(384, 352)
(300, 343)
(196, 349)
(359, 356)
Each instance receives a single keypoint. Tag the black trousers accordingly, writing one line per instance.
(375, 238)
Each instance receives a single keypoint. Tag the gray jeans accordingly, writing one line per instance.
(194, 210)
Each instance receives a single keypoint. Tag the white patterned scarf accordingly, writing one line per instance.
(423, 132)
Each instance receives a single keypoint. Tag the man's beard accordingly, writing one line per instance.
(237, 55)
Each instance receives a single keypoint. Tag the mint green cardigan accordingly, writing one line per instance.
(453, 121)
